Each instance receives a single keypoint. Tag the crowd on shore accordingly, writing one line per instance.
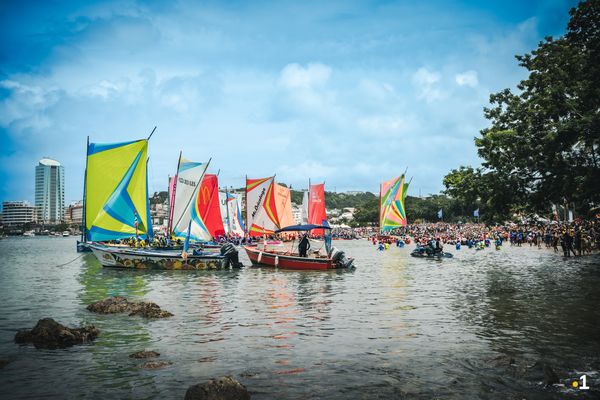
(571, 238)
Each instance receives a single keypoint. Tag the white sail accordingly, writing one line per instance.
(231, 214)
(185, 207)
(304, 210)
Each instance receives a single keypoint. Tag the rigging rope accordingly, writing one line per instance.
(67, 263)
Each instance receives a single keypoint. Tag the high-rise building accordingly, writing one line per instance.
(50, 191)
(17, 213)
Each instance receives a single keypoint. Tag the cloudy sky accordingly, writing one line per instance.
(350, 92)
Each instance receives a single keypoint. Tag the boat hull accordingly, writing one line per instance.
(288, 261)
(167, 260)
(83, 247)
(423, 254)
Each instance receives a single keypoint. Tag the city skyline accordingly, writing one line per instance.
(352, 93)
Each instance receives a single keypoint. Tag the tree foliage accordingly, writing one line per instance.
(543, 142)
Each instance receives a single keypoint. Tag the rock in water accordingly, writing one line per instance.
(550, 377)
(51, 335)
(149, 310)
(119, 304)
(144, 354)
(4, 362)
(542, 372)
(155, 364)
(110, 305)
(224, 388)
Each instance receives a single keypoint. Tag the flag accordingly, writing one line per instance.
(440, 214)
(476, 213)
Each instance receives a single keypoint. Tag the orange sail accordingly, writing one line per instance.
(316, 207)
(283, 203)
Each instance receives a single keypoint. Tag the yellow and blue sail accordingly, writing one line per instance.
(116, 194)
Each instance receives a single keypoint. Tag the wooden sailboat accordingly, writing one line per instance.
(117, 207)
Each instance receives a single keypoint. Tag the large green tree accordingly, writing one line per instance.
(543, 144)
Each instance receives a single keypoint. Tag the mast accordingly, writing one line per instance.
(83, 222)
(227, 209)
(309, 201)
(246, 202)
(379, 213)
(172, 205)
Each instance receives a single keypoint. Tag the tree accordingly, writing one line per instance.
(543, 145)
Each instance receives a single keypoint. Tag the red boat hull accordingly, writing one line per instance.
(288, 261)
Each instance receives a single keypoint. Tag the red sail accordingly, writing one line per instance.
(316, 207)
(209, 207)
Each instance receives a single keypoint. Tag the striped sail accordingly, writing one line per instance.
(116, 191)
(391, 207)
(186, 214)
(261, 208)
(231, 213)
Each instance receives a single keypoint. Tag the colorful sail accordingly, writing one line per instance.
(116, 191)
(316, 207)
(261, 210)
(391, 207)
(304, 209)
(283, 203)
(208, 206)
(186, 215)
(231, 213)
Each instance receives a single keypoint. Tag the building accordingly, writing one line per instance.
(74, 213)
(18, 213)
(297, 213)
(50, 191)
(159, 213)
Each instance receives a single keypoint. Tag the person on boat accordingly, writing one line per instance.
(304, 246)
(439, 247)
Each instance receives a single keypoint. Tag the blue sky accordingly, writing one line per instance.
(350, 92)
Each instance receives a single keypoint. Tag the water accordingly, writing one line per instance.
(395, 327)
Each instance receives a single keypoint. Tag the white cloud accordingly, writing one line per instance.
(295, 76)
(467, 78)
(426, 83)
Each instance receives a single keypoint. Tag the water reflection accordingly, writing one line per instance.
(394, 327)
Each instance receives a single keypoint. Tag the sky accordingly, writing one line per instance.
(347, 92)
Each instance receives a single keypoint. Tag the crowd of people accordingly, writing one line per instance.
(569, 238)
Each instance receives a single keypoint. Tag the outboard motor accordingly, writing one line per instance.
(231, 255)
(339, 257)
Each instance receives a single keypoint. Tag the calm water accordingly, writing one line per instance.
(395, 327)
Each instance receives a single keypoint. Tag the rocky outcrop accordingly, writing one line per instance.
(156, 364)
(119, 304)
(144, 354)
(224, 388)
(51, 335)
(541, 372)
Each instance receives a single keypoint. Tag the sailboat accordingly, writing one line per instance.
(392, 213)
(117, 207)
(231, 214)
(263, 217)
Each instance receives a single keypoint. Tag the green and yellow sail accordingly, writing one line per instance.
(116, 192)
